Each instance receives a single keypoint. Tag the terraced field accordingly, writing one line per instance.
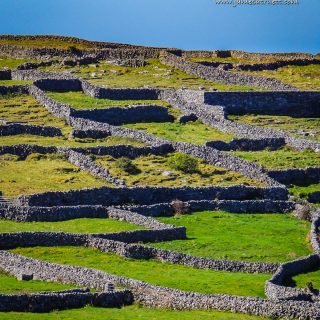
(126, 195)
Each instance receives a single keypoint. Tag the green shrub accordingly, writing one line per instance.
(73, 49)
(183, 162)
(126, 165)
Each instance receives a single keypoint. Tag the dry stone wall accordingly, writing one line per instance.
(11, 129)
(157, 296)
(218, 75)
(43, 302)
(150, 195)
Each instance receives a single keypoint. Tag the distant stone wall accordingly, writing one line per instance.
(128, 151)
(11, 129)
(151, 195)
(58, 84)
(298, 177)
(190, 101)
(13, 89)
(247, 144)
(118, 116)
(35, 75)
(259, 66)
(246, 55)
(119, 94)
(23, 150)
(297, 104)
(225, 77)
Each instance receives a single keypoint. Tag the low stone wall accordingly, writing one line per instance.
(50, 214)
(93, 134)
(276, 65)
(61, 213)
(23, 150)
(246, 55)
(232, 206)
(194, 102)
(59, 84)
(298, 177)
(314, 233)
(42, 302)
(259, 66)
(156, 296)
(13, 89)
(150, 195)
(85, 163)
(58, 109)
(128, 151)
(119, 94)
(290, 103)
(5, 74)
(248, 144)
(11, 129)
(218, 75)
(35, 75)
(314, 197)
(275, 288)
(121, 115)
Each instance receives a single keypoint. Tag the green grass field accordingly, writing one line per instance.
(191, 132)
(303, 77)
(303, 128)
(303, 192)
(245, 237)
(24, 108)
(282, 159)
(48, 43)
(12, 63)
(67, 141)
(79, 100)
(155, 272)
(14, 82)
(151, 167)
(154, 74)
(40, 173)
(128, 313)
(84, 225)
(10, 285)
(301, 280)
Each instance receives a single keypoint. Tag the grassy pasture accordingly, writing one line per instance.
(150, 171)
(303, 128)
(155, 272)
(40, 173)
(282, 159)
(244, 237)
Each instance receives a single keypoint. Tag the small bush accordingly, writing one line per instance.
(73, 49)
(9, 157)
(126, 165)
(183, 162)
(180, 207)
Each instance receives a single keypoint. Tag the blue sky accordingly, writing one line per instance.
(186, 24)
